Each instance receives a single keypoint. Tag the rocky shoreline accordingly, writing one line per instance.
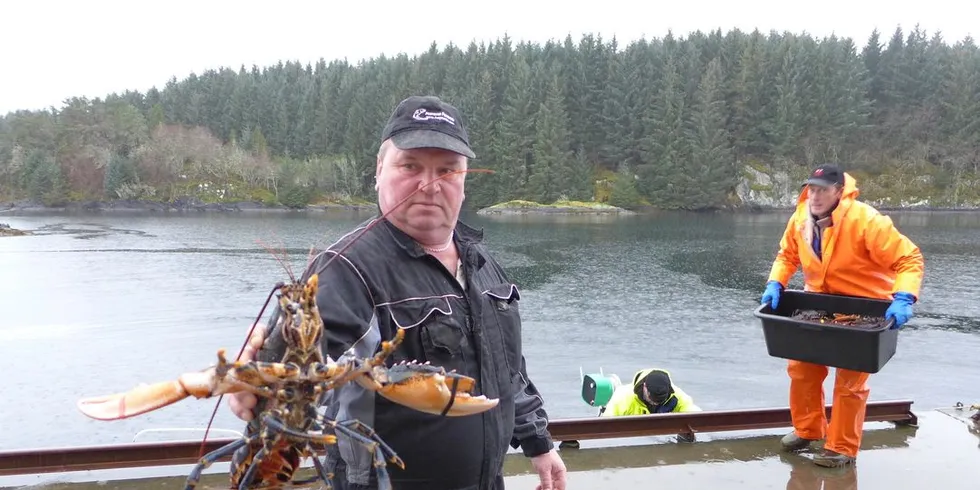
(6, 230)
(562, 207)
(552, 210)
(180, 205)
(194, 205)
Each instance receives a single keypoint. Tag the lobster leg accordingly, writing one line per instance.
(384, 481)
(278, 426)
(195, 477)
(366, 435)
(253, 468)
(355, 429)
(320, 470)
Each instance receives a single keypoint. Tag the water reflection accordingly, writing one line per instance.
(807, 476)
(757, 448)
(83, 231)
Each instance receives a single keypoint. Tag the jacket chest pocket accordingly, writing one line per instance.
(435, 325)
(501, 310)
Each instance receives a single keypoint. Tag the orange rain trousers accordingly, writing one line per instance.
(806, 400)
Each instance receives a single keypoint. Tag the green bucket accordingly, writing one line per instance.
(597, 389)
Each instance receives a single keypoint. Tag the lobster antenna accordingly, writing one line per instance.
(283, 260)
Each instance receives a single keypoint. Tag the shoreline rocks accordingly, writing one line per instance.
(6, 230)
(512, 208)
(179, 205)
(528, 207)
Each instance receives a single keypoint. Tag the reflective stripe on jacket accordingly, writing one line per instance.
(863, 254)
(625, 402)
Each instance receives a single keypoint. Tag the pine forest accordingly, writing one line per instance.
(672, 123)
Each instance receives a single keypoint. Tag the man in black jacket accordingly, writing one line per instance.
(423, 270)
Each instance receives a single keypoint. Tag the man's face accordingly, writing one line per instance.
(823, 198)
(432, 211)
(650, 399)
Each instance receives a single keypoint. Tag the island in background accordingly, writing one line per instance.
(6, 230)
(558, 207)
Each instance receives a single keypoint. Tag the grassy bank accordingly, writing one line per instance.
(557, 207)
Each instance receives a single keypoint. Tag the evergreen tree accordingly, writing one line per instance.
(684, 114)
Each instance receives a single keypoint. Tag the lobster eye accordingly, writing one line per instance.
(291, 307)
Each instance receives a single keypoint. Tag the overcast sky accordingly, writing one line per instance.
(51, 50)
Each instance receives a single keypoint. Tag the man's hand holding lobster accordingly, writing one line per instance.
(243, 402)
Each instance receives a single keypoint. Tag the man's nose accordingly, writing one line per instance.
(430, 183)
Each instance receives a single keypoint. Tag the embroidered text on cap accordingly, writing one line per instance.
(424, 115)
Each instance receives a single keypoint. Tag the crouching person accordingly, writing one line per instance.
(652, 391)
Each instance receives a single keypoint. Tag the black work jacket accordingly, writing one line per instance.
(385, 280)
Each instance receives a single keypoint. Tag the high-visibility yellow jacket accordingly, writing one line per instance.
(625, 402)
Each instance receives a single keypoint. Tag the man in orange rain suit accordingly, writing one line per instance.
(847, 247)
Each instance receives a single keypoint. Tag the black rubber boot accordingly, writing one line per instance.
(831, 459)
(793, 442)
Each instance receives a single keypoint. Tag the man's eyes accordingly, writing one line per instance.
(413, 167)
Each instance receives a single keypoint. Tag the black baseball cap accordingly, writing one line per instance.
(657, 384)
(427, 122)
(826, 175)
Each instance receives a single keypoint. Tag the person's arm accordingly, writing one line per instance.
(531, 420)
(620, 402)
(894, 251)
(787, 259)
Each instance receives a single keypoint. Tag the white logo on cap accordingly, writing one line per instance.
(424, 115)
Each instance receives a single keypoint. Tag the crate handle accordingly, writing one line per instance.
(807, 326)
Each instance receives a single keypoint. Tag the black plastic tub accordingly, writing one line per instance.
(849, 347)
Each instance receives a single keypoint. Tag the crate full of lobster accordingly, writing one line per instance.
(832, 330)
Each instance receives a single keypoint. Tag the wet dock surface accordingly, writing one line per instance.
(942, 452)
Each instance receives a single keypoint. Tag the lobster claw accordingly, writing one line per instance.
(146, 397)
(428, 389)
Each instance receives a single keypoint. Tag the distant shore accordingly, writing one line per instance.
(6, 230)
(559, 207)
(180, 205)
(502, 209)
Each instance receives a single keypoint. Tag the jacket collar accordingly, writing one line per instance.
(847, 198)
(465, 235)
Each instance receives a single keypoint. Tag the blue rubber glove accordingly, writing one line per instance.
(900, 309)
(771, 295)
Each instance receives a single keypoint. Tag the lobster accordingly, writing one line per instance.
(289, 426)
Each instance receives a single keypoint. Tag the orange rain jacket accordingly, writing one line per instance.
(863, 253)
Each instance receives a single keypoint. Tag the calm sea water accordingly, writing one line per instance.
(95, 304)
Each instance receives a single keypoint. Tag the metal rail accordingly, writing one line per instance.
(81, 458)
(714, 421)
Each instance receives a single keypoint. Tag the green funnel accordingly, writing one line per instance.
(597, 389)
